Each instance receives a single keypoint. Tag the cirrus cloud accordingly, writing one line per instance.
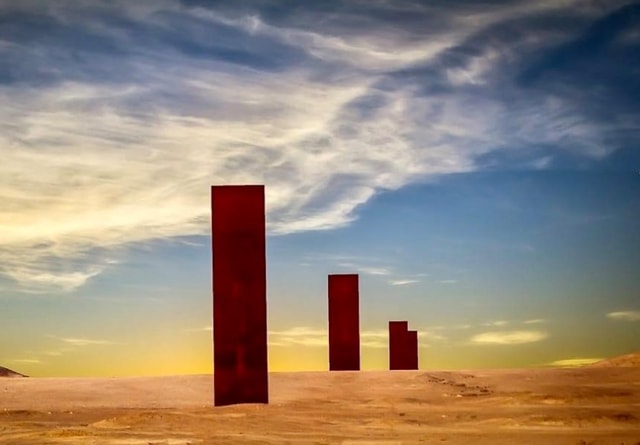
(308, 336)
(574, 362)
(402, 282)
(509, 337)
(116, 117)
(624, 315)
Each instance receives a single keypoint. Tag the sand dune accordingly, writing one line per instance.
(595, 405)
(6, 372)
(627, 360)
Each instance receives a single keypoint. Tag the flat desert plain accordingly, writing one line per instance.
(591, 405)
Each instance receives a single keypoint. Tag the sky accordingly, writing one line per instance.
(477, 163)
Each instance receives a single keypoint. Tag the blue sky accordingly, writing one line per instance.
(476, 162)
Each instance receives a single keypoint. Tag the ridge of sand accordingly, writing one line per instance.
(6, 372)
(621, 361)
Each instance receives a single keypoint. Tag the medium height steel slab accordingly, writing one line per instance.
(344, 323)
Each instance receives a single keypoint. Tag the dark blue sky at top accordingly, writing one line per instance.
(595, 70)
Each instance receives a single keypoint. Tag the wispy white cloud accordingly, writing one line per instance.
(308, 336)
(496, 323)
(438, 327)
(463, 326)
(35, 280)
(369, 51)
(298, 336)
(82, 341)
(55, 353)
(447, 327)
(427, 337)
(509, 337)
(402, 282)
(534, 321)
(354, 263)
(368, 269)
(85, 341)
(375, 339)
(208, 328)
(26, 361)
(573, 362)
(624, 315)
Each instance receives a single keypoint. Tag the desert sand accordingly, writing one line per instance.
(590, 405)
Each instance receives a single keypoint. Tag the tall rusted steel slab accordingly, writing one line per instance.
(344, 323)
(239, 295)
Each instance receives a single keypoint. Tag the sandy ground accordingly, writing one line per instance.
(533, 406)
